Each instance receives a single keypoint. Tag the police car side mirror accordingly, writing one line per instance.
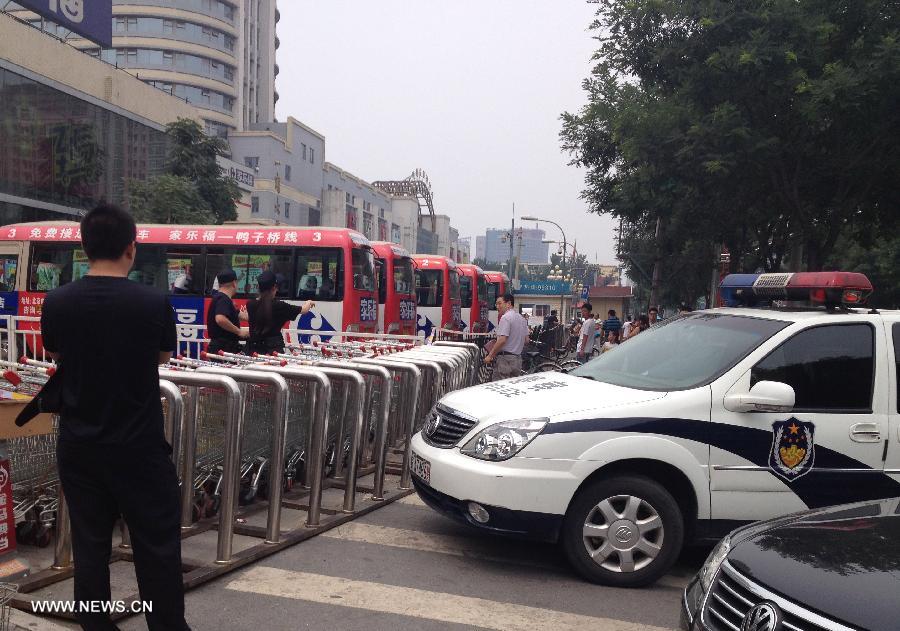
(765, 396)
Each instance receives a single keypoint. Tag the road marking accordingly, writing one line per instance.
(413, 500)
(459, 546)
(419, 603)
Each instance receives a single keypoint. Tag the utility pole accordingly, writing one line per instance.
(512, 232)
(654, 283)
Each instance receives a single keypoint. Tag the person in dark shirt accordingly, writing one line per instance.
(267, 316)
(108, 335)
(223, 321)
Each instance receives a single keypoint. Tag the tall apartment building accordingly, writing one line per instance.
(218, 55)
(496, 248)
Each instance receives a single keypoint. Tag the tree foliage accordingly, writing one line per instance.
(766, 126)
(193, 189)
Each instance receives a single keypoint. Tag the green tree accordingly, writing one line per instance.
(766, 126)
(193, 190)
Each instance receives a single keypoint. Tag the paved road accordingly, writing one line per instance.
(406, 568)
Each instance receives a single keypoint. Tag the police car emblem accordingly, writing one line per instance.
(793, 450)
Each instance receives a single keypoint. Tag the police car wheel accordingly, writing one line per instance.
(624, 531)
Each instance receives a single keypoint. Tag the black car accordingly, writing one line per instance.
(825, 570)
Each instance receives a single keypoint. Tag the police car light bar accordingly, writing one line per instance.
(828, 288)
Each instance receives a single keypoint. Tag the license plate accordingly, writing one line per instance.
(420, 468)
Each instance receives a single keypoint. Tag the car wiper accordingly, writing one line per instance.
(587, 377)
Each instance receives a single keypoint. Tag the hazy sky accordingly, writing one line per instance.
(469, 90)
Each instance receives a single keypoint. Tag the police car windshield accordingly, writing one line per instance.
(682, 353)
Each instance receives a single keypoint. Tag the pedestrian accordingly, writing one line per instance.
(612, 341)
(653, 316)
(643, 323)
(626, 327)
(108, 335)
(267, 316)
(551, 321)
(223, 321)
(512, 332)
(586, 336)
(612, 324)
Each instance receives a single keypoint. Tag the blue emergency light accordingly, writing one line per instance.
(826, 288)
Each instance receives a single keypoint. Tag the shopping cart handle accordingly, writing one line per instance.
(12, 377)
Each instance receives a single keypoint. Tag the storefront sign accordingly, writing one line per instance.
(543, 288)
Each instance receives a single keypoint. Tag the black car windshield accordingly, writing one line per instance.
(682, 353)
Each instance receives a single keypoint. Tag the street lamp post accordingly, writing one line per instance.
(560, 229)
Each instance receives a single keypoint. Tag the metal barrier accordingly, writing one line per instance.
(231, 464)
(475, 355)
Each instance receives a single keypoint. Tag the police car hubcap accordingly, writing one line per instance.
(623, 533)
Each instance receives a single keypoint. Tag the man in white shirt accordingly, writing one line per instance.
(512, 332)
(586, 337)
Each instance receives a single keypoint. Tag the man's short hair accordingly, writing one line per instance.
(611, 313)
(106, 232)
(588, 306)
(226, 276)
(653, 309)
(509, 299)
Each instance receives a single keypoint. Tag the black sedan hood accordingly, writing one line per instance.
(842, 562)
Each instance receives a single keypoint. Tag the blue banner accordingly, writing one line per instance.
(544, 288)
(92, 19)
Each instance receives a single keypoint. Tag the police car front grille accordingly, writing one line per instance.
(449, 431)
(733, 595)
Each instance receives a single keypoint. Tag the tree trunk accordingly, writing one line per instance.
(654, 283)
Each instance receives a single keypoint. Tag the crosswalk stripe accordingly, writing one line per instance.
(418, 603)
(468, 547)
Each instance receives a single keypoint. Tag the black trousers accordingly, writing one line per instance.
(139, 482)
(227, 345)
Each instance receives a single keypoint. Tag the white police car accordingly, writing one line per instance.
(688, 430)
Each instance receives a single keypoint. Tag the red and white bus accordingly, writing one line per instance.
(334, 267)
(437, 294)
(396, 289)
(497, 285)
(474, 298)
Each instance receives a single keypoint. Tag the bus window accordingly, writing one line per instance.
(465, 290)
(482, 290)
(381, 266)
(454, 285)
(430, 287)
(184, 271)
(318, 274)
(403, 276)
(248, 264)
(54, 265)
(9, 267)
(363, 269)
(150, 267)
(493, 292)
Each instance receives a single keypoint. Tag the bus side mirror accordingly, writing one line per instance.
(765, 396)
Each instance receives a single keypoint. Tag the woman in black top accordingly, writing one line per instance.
(268, 315)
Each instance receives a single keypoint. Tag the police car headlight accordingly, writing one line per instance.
(713, 561)
(503, 440)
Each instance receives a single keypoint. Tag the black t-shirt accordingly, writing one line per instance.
(221, 304)
(109, 332)
(281, 313)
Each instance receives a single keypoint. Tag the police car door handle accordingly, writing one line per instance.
(865, 433)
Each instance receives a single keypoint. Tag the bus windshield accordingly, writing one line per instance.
(430, 287)
(482, 290)
(465, 290)
(493, 292)
(363, 269)
(454, 285)
(403, 276)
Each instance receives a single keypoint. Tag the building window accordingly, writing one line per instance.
(348, 198)
(252, 162)
(312, 155)
(168, 57)
(287, 172)
(287, 210)
(303, 149)
(254, 205)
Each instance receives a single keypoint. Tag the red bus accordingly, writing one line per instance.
(437, 294)
(334, 267)
(497, 285)
(473, 293)
(396, 289)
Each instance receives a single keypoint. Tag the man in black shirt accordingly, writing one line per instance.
(108, 335)
(268, 315)
(223, 321)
